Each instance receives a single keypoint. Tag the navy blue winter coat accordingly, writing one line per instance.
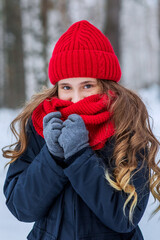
(72, 201)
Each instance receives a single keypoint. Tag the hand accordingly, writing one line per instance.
(74, 135)
(52, 125)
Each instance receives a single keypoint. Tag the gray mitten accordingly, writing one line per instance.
(52, 125)
(74, 135)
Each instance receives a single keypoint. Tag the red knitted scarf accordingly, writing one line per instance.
(92, 109)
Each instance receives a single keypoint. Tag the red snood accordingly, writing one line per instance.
(94, 111)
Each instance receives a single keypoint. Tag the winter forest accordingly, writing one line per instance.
(29, 30)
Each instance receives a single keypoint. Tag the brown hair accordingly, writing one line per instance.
(133, 133)
(22, 120)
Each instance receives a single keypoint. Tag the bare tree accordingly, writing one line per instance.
(14, 83)
(112, 22)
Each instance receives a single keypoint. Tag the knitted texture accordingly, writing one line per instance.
(92, 109)
(83, 51)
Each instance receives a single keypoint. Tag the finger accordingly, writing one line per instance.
(52, 115)
(67, 123)
(55, 120)
(56, 133)
(56, 126)
(60, 140)
(74, 117)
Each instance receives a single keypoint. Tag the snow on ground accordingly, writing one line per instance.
(11, 228)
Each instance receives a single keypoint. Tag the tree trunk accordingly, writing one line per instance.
(14, 83)
(159, 35)
(1, 55)
(62, 6)
(112, 23)
(43, 15)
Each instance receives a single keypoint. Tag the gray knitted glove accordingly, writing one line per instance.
(74, 136)
(52, 125)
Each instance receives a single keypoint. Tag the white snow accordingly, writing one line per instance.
(11, 228)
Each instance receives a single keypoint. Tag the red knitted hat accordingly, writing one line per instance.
(83, 51)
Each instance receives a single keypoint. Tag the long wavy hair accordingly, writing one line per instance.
(132, 133)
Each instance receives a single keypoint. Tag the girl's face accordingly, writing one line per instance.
(75, 89)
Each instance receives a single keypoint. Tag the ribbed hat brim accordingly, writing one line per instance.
(84, 63)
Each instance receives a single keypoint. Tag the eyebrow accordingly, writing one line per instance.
(90, 81)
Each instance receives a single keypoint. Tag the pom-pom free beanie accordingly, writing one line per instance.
(83, 51)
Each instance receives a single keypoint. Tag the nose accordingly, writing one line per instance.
(76, 97)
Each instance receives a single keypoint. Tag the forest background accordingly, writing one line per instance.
(29, 30)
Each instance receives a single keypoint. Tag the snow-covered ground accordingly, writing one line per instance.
(10, 228)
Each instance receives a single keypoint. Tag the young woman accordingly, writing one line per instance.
(81, 166)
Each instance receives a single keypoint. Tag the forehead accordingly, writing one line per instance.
(77, 80)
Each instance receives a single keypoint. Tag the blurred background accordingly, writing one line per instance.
(29, 30)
